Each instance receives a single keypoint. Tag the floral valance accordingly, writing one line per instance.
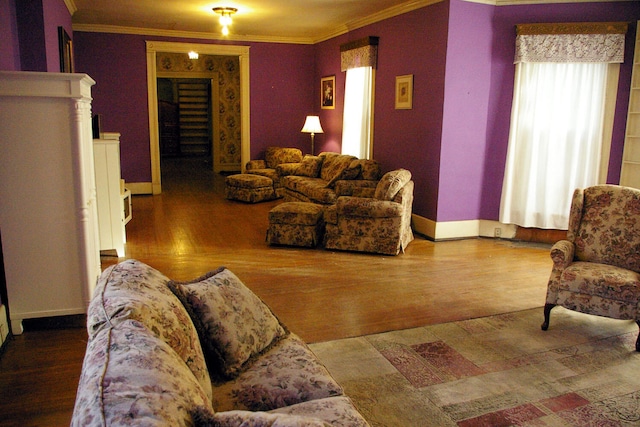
(359, 53)
(571, 42)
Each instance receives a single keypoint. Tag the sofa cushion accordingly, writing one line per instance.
(235, 325)
(288, 373)
(310, 166)
(333, 165)
(134, 290)
(349, 173)
(277, 155)
(315, 189)
(391, 183)
(131, 377)
(285, 169)
(204, 418)
(370, 169)
(338, 411)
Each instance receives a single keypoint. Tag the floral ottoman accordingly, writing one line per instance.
(249, 188)
(296, 224)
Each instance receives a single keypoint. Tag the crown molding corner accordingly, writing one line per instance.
(71, 6)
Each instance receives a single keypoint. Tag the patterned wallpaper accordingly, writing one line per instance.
(228, 69)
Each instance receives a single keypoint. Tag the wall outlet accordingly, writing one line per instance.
(497, 232)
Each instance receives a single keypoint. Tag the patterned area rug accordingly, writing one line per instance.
(495, 371)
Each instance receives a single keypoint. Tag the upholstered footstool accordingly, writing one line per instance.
(296, 224)
(249, 188)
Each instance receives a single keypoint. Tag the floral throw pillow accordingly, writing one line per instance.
(310, 166)
(235, 326)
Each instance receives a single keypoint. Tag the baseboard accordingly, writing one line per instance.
(139, 187)
(449, 230)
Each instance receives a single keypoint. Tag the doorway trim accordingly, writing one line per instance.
(153, 47)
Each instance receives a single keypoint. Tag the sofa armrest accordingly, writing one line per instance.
(562, 254)
(354, 187)
(286, 169)
(256, 164)
(367, 208)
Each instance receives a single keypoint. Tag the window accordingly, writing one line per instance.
(560, 125)
(358, 111)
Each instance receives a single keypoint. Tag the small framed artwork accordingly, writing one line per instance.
(65, 45)
(328, 92)
(404, 92)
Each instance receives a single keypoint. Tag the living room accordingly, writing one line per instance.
(462, 74)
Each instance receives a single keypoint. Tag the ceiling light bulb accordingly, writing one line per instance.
(225, 20)
(225, 31)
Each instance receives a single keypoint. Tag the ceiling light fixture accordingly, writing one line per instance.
(225, 17)
(193, 55)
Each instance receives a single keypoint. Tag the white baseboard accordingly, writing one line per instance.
(139, 187)
(462, 229)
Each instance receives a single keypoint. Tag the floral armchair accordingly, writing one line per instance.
(278, 162)
(596, 270)
(379, 222)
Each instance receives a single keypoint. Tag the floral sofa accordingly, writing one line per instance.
(203, 353)
(322, 179)
(373, 220)
(278, 162)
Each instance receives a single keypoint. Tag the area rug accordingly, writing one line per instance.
(494, 371)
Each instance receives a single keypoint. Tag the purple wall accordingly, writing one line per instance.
(56, 14)
(279, 81)
(467, 92)
(10, 48)
(412, 43)
(37, 23)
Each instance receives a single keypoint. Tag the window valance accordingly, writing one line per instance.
(359, 53)
(571, 42)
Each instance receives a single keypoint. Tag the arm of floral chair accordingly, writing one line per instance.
(256, 164)
(367, 207)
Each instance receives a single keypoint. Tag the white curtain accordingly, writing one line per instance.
(356, 127)
(555, 141)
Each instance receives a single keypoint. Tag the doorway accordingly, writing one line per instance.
(185, 124)
(243, 128)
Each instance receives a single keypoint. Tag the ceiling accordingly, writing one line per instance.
(292, 21)
(298, 21)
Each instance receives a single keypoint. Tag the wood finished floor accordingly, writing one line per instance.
(321, 295)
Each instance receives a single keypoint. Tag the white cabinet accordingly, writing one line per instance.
(111, 218)
(48, 215)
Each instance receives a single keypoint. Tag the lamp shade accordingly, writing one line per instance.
(312, 125)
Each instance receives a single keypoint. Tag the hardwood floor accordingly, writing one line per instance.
(320, 295)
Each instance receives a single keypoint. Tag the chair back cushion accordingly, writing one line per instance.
(608, 229)
(391, 183)
(278, 155)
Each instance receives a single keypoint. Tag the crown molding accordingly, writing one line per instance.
(377, 17)
(115, 29)
(71, 5)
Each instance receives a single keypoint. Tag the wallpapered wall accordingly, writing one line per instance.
(228, 69)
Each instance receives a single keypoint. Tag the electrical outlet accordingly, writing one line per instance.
(497, 232)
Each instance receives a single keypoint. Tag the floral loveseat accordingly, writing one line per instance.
(200, 353)
(322, 179)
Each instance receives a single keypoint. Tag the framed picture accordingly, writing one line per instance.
(404, 92)
(328, 92)
(65, 45)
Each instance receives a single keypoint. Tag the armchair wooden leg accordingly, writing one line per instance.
(638, 340)
(547, 313)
